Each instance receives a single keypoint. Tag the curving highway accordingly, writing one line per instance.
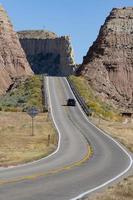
(67, 174)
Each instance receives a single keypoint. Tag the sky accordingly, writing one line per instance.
(80, 19)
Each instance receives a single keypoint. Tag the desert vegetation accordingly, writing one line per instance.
(98, 107)
(16, 126)
(25, 94)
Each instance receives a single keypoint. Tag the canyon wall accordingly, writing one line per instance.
(48, 53)
(13, 61)
(108, 65)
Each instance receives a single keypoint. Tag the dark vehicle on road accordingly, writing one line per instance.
(71, 102)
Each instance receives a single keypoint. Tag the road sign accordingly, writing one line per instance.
(32, 112)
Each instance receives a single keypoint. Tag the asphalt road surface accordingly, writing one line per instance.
(67, 173)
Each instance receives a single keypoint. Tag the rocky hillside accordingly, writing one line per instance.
(13, 62)
(108, 65)
(46, 52)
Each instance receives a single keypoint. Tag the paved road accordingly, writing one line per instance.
(67, 173)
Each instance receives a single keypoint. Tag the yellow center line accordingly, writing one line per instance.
(54, 171)
(37, 175)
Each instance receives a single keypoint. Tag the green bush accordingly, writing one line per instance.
(28, 93)
(99, 108)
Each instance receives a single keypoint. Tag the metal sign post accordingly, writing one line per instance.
(32, 112)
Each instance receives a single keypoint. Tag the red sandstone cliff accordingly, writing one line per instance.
(108, 65)
(13, 62)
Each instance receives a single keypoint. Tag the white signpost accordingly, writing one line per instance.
(32, 112)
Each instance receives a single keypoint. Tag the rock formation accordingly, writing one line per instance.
(108, 65)
(13, 62)
(46, 52)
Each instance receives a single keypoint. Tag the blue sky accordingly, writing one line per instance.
(81, 19)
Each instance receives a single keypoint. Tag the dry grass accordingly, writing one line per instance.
(124, 134)
(122, 191)
(99, 107)
(16, 143)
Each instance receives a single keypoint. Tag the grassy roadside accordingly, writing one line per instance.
(99, 108)
(25, 93)
(16, 143)
(108, 119)
(120, 131)
(121, 191)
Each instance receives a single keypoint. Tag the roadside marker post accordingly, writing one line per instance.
(48, 140)
(32, 112)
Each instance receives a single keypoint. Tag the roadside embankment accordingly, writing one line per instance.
(17, 145)
(109, 120)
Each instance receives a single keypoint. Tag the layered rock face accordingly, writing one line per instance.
(47, 53)
(108, 65)
(13, 61)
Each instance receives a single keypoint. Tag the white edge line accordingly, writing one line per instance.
(127, 154)
(59, 140)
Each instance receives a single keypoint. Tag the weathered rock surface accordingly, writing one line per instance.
(46, 52)
(38, 34)
(13, 61)
(108, 65)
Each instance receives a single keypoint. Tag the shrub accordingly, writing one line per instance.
(28, 93)
(99, 108)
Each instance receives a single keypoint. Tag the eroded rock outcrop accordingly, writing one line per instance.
(46, 52)
(13, 61)
(108, 65)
